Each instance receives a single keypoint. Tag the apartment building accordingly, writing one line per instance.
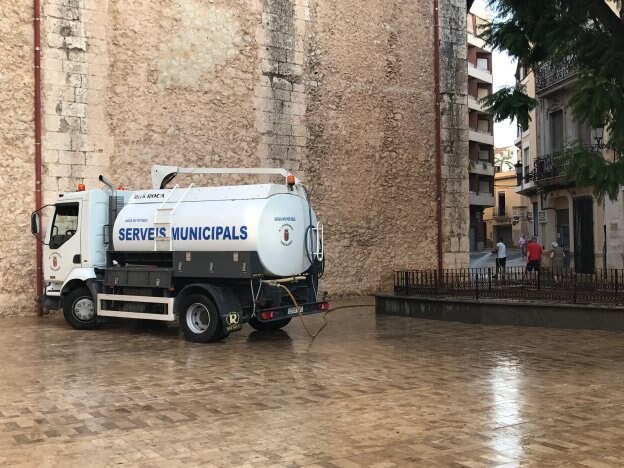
(559, 210)
(481, 130)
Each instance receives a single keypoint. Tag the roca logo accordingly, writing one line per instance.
(286, 234)
(143, 196)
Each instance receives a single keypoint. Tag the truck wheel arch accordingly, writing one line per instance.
(77, 278)
(224, 299)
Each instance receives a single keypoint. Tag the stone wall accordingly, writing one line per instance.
(76, 142)
(454, 111)
(340, 92)
(371, 150)
(17, 170)
(334, 91)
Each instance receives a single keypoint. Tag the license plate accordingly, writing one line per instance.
(292, 310)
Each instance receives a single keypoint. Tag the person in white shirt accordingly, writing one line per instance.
(501, 258)
(522, 243)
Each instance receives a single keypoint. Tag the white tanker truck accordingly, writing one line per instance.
(212, 258)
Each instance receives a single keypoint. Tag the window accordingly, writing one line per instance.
(482, 63)
(526, 155)
(483, 126)
(556, 130)
(65, 224)
(484, 186)
(484, 154)
(501, 203)
(584, 134)
(482, 92)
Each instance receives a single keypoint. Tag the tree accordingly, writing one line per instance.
(592, 33)
(503, 160)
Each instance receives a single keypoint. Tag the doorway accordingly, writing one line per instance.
(562, 229)
(584, 257)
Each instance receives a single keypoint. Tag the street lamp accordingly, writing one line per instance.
(599, 132)
(518, 167)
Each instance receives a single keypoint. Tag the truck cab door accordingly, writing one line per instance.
(63, 251)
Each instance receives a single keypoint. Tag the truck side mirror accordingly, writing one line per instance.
(35, 223)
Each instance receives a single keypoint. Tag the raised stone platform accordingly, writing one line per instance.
(499, 312)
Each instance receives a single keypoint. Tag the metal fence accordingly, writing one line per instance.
(551, 285)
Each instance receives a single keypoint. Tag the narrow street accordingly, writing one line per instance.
(487, 258)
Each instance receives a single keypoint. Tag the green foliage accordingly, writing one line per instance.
(589, 167)
(503, 160)
(536, 31)
(510, 102)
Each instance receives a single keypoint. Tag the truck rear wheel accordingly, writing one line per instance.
(79, 309)
(268, 326)
(199, 319)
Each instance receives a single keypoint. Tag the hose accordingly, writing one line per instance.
(298, 309)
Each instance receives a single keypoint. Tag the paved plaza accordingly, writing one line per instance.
(369, 391)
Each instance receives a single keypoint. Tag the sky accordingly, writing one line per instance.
(504, 70)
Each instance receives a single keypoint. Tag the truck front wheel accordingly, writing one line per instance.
(268, 326)
(79, 309)
(199, 319)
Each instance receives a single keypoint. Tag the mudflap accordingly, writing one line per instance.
(50, 302)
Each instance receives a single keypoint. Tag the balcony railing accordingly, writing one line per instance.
(550, 73)
(552, 165)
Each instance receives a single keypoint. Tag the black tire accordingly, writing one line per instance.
(269, 326)
(79, 310)
(199, 319)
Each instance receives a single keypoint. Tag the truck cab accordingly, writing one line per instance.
(75, 242)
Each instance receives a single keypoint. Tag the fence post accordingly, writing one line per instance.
(489, 278)
(616, 280)
(435, 283)
(477, 284)
(574, 292)
(406, 282)
(539, 276)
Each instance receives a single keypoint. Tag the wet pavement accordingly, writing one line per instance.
(369, 391)
(487, 259)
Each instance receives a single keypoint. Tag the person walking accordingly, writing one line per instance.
(501, 258)
(522, 243)
(556, 256)
(534, 256)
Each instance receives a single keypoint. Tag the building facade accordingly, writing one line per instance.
(339, 92)
(481, 130)
(558, 210)
(507, 218)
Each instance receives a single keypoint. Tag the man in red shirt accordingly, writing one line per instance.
(534, 256)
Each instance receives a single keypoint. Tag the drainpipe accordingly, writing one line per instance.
(38, 197)
(438, 132)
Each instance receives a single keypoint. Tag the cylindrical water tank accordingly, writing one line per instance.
(267, 218)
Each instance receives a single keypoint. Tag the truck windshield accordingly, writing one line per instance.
(65, 224)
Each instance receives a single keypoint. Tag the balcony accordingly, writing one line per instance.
(481, 74)
(551, 166)
(476, 41)
(551, 76)
(548, 170)
(473, 104)
(481, 199)
(481, 136)
(482, 168)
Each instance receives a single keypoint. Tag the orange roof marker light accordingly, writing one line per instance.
(290, 180)
(81, 187)
(121, 187)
